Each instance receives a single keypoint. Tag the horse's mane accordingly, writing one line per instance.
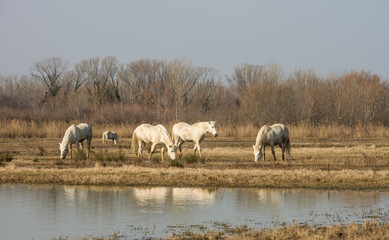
(165, 131)
(264, 134)
(68, 132)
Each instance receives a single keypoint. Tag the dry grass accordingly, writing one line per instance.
(368, 230)
(17, 128)
(195, 177)
(54, 129)
(314, 163)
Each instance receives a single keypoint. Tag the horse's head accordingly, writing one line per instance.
(257, 153)
(64, 150)
(171, 151)
(212, 128)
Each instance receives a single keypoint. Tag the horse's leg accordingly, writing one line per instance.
(70, 150)
(140, 148)
(273, 152)
(283, 151)
(88, 143)
(180, 142)
(152, 150)
(162, 153)
(264, 159)
(194, 149)
(197, 146)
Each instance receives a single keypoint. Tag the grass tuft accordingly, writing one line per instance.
(110, 157)
(191, 159)
(6, 157)
(42, 151)
(79, 156)
(176, 163)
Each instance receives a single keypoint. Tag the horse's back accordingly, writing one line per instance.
(84, 131)
(280, 132)
(184, 130)
(148, 133)
(180, 126)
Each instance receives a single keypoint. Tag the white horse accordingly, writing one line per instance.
(184, 132)
(147, 133)
(110, 135)
(76, 134)
(277, 134)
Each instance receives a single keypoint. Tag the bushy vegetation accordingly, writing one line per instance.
(368, 230)
(187, 159)
(42, 151)
(79, 155)
(191, 159)
(176, 163)
(110, 157)
(156, 91)
(6, 157)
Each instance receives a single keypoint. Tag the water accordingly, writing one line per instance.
(54, 211)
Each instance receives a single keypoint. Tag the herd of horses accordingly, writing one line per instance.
(277, 134)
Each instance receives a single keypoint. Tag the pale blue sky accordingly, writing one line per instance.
(326, 36)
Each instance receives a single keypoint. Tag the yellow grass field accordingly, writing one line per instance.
(331, 163)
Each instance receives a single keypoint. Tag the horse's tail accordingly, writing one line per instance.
(287, 146)
(133, 143)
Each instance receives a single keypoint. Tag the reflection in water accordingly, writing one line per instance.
(144, 195)
(198, 195)
(53, 211)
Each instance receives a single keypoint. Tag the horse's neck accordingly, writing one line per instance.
(166, 137)
(258, 142)
(68, 138)
(203, 126)
(261, 138)
(65, 140)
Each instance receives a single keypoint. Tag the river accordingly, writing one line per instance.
(56, 211)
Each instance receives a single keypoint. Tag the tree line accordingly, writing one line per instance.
(104, 90)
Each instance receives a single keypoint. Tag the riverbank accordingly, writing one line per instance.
(200, 177)
(356, 164)
(366, 231)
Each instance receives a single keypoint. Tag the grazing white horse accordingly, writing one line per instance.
(110, 135)
(76, 134)
(184, 132)
(147, 133)
(277, 134)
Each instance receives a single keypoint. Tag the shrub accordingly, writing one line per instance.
(6, 157)
(191, 158)
(79, 155)
(155, 160)
(116, 157)
(176, 163)
(111, 157)
(42, 151)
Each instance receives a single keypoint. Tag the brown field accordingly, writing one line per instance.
(331, 163)
(369, 230)
(316, 162)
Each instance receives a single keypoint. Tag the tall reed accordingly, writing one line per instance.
(18, 128)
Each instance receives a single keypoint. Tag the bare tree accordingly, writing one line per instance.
(102, 82)
(49, 72)
(244, 76)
